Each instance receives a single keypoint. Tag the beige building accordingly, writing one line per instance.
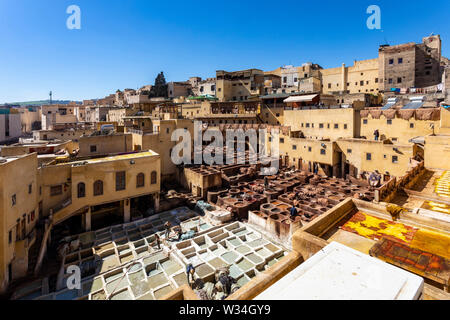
(410, 65)
(239, 85)
(400, 126)
(179, 89)
(99, 143)
(203, 87)
(291, 76)
(19, 213)
(362, 77)
(10, 124)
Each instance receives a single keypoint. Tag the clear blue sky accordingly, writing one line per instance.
(124, 44)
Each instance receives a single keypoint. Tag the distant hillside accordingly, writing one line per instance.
(39, 103)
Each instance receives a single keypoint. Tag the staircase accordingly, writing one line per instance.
(61, 213)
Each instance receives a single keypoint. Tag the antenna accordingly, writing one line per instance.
(50, 94)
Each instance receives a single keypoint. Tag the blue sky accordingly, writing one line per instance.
(124, 44)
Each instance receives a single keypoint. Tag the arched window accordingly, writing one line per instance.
(140, 180)
(81, 189)
(98, 188)
(153, 179)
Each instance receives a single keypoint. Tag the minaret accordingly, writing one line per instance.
(50, 94)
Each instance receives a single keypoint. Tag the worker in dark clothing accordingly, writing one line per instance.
(293, 211)
(316, 168)
(191, 277)
(179, 232)
(376, 134)
(167, 226)
(266, 183)
(158, 241)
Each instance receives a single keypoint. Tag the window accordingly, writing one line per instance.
(307, 125)
(336, 126)
(345, 126)
(140, 180)
(93, 148)
(55, 190)
(399, 80)
(394, 159)
(98, 188)
(368, 156)
(30, 188)
(309, 149)
(389, 122)
(411, 125)
(376, 80)
(390, 81)
(349, 150)
(294, 147)
(365, 121)
(329, 86)
(81, 190)
(391, 61)
(270, 139)
(281, 140)
(10, 237)
(167, 130)
(277, 114)
(361, 83)
(323, 151)
(328, 126)
(400, 60)
(153, 178)
(120, 181)
(321, 125)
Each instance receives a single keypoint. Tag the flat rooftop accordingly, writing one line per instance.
(129, 156)
(338, 272)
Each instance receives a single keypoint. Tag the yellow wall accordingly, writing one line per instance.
(298, 120)
(437, 152)
(273, 116)
(106, 144)
(349, 78)
(70, 174)
(15, 178)
(381, 153)
(399, 128)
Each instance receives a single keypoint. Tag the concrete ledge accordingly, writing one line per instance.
(267, 278)
(433, 293)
